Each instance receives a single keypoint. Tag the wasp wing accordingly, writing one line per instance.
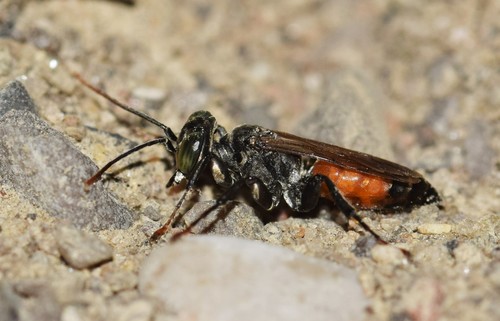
(339, 156)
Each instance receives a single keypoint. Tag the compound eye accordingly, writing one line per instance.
(188, 154)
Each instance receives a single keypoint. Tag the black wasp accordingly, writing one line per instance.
(276, 165)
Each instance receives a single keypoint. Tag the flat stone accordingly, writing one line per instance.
(221, 278)
(82, 250)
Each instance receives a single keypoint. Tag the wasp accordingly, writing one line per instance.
(278, 166)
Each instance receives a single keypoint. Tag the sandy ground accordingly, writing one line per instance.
(432, 69)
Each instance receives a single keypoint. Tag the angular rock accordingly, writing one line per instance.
(44, 166)
(15, 97)
(221, 278)
(82, 250)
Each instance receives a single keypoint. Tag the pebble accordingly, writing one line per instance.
(43, 166)
(434, 228)
(388, 254)
(151, 209)
(119, 280)
(224, 278)
(82, 250)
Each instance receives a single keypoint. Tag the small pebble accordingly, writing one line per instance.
(151, 209)
(119, 280)
(82, 250)
(388, 254)
(434, 228)
(224, 278)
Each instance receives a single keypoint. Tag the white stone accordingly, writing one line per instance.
(223, 278)
(434, 228)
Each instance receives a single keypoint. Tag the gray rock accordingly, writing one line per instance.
(221, 278)
(44, 166)
(15, 97)
(82, 250)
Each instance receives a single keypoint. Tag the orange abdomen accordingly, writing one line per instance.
(361, 190)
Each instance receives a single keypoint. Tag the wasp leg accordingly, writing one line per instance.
(166, 227)
(268, 196)
(221, 200)
(304, 195)
(346, 208)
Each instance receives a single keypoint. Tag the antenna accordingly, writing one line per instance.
(168, 132)
(168, 140)
(97, 176)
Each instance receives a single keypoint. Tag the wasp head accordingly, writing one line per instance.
(193, 145)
